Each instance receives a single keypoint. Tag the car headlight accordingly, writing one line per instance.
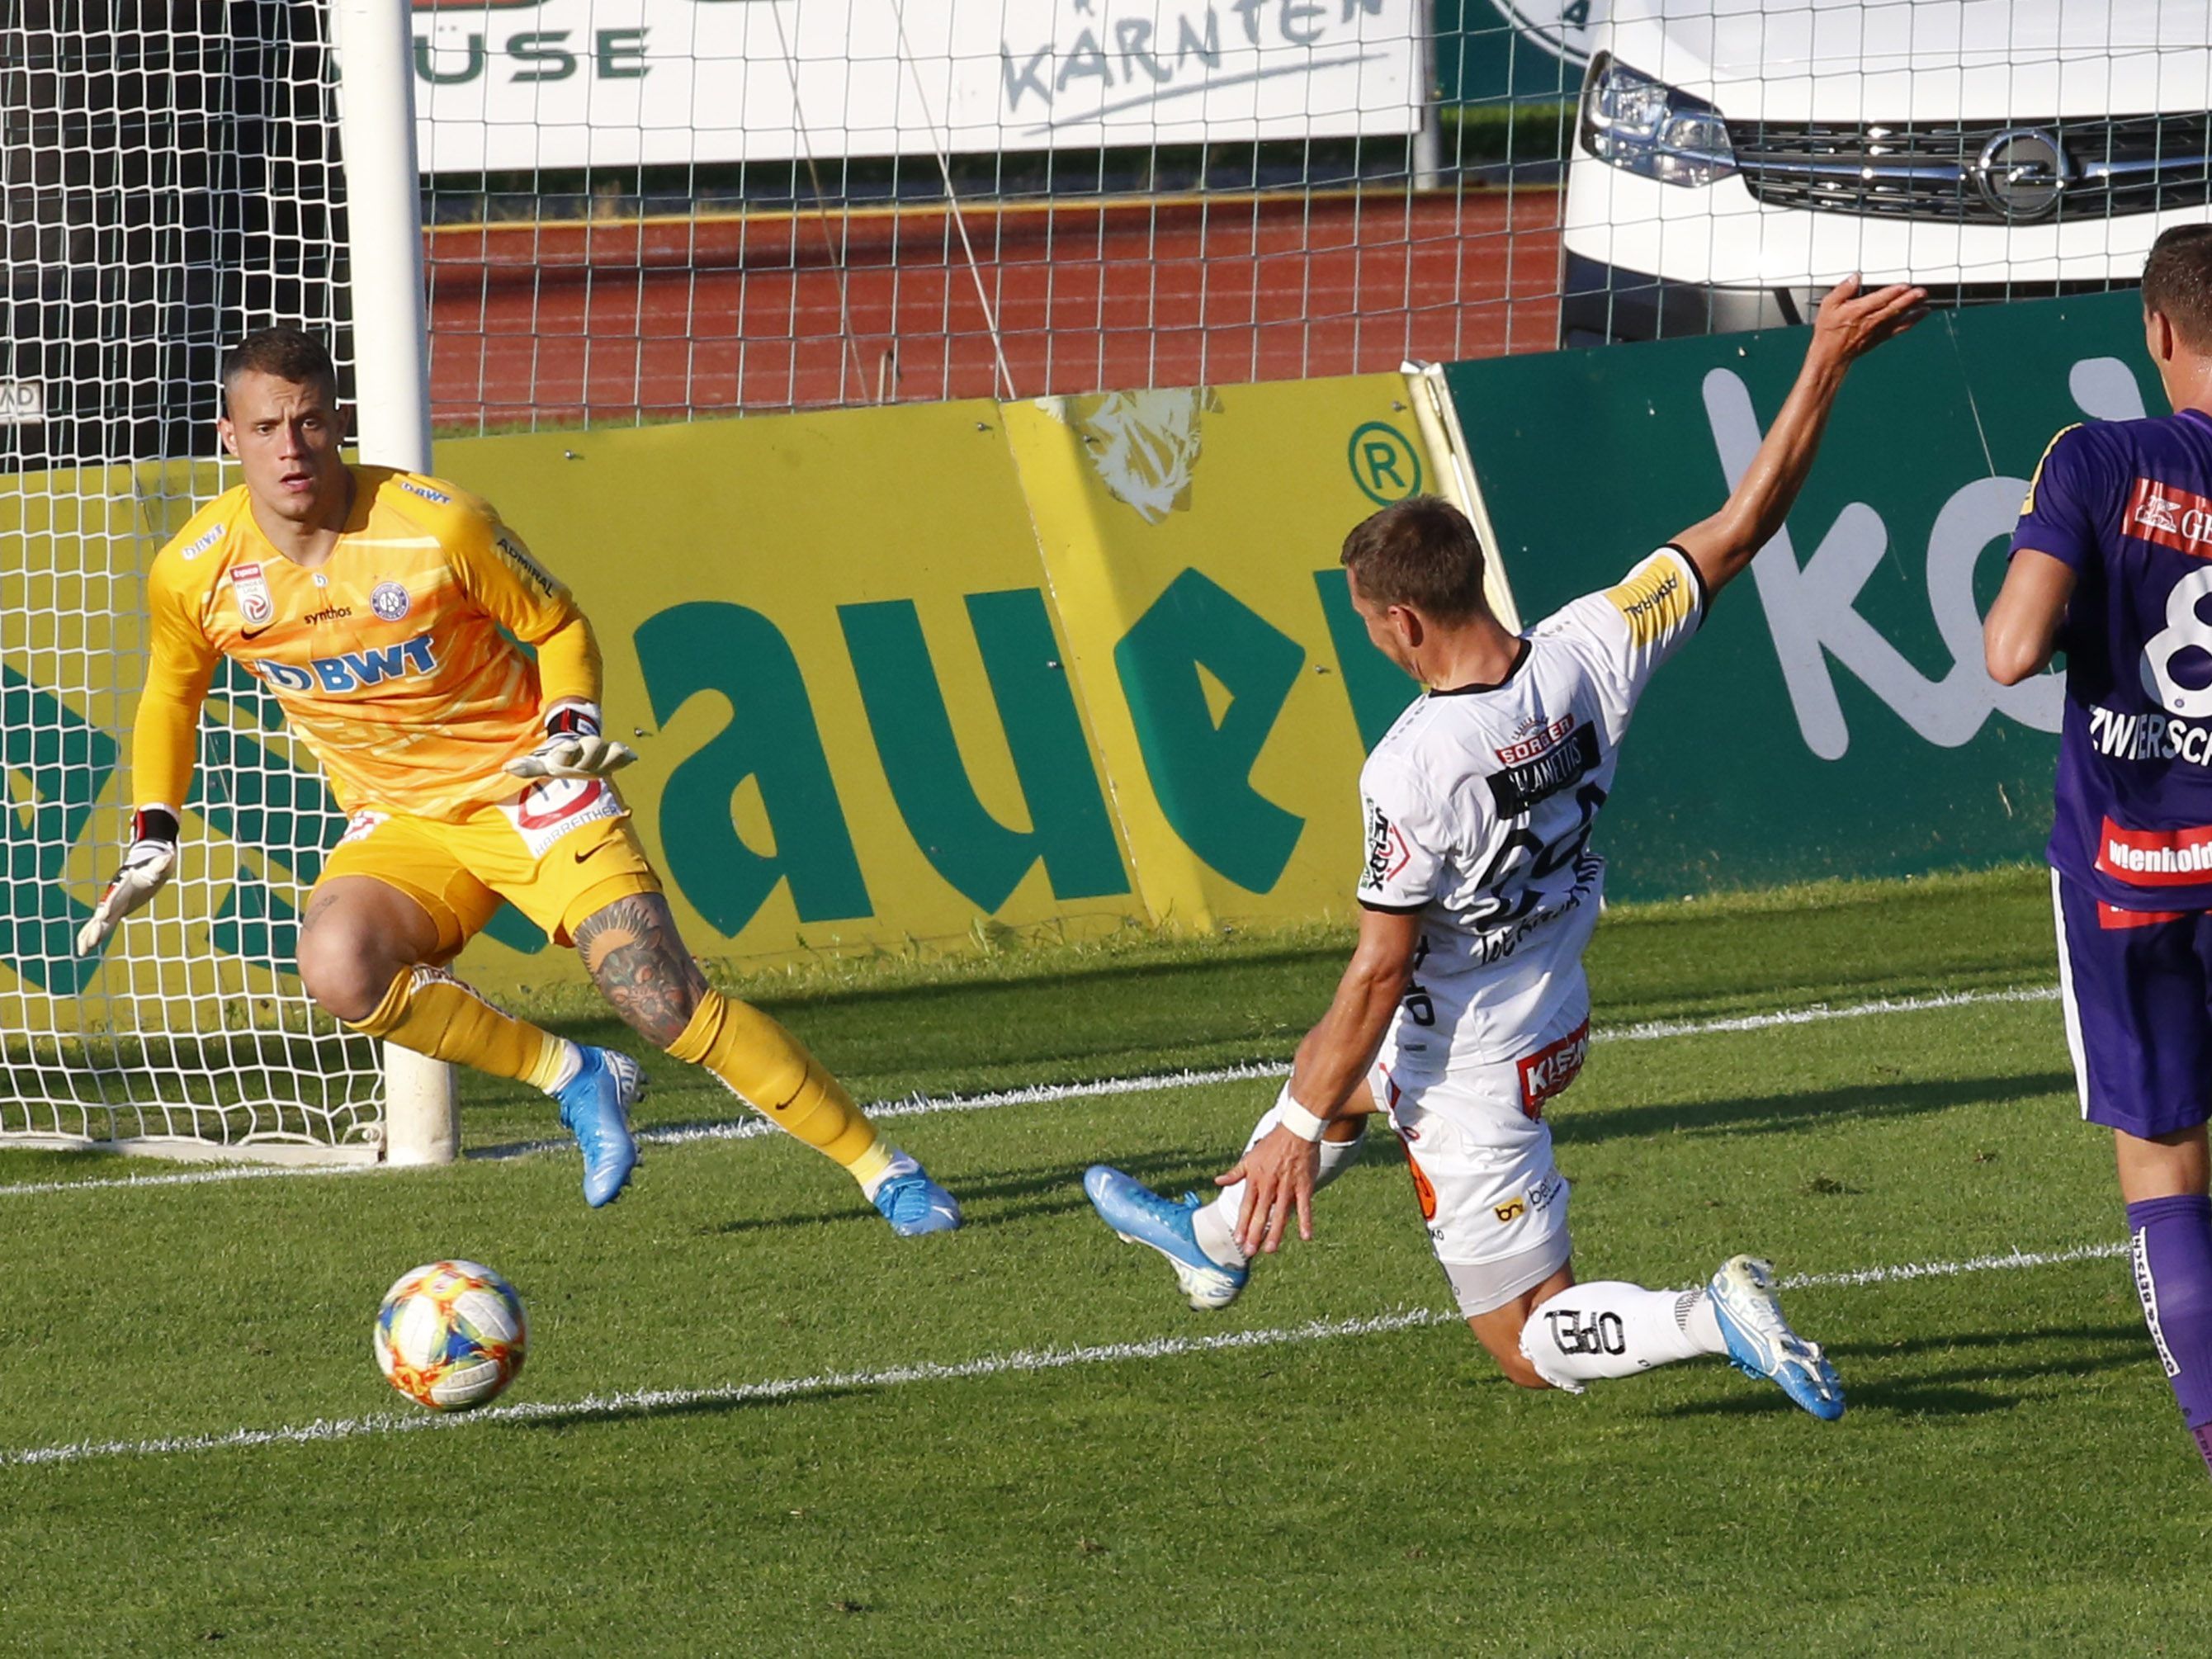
(1649, 128)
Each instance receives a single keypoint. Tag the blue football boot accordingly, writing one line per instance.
(1761, 1344)
(1139, 1215)
(595, 1108)
(913, 1203)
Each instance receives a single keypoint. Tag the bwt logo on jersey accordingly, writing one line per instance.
(1547, 1073)
(2178, 518)
(1518, 788)
(2155, 858)
(354, 670)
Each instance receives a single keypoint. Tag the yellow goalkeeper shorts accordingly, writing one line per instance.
(557, 851)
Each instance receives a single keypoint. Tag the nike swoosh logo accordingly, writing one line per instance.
(255, 634)
(601, 848)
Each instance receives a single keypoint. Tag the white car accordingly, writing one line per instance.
(1734, 159)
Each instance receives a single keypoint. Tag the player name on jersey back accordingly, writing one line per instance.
(1478, 804)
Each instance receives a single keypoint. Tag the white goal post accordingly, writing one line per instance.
(391, 398)
(174, 174)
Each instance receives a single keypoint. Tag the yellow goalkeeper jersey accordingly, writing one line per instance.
(388, 660)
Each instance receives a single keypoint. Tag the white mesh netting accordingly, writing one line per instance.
(170, 183)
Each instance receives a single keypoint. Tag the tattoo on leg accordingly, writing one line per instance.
(319, 902)
(631, 951)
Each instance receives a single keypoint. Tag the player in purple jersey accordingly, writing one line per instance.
(2113, 563)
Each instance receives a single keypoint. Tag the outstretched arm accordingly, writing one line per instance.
(1332, 1062)
(1849, 325)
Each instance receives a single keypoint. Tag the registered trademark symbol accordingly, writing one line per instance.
(1385, 465)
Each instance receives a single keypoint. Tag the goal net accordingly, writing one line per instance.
(168, 182)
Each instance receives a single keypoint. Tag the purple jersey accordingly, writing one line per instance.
(2127, 504)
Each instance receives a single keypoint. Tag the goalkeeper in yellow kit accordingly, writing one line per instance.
(371, 602)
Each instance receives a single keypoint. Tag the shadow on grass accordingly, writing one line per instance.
(1954, 1391)
(1788, 1113)
(1050, 1192)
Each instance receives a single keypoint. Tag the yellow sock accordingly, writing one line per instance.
(766, 1065)
(430, 1010)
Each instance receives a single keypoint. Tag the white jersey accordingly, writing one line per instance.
(1478, 804)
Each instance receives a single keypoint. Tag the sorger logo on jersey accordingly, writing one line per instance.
(354, 670)
(1535, 742)
(1546, 1073)
(1518, 788)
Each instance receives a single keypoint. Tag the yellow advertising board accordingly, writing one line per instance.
(1191, 538)
(827, 638)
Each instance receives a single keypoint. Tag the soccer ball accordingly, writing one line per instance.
(451, 1335)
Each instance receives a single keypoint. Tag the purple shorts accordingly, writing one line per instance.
(2137, 989)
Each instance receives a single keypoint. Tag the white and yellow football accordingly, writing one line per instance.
(451, 1335)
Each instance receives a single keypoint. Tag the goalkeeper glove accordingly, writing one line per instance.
(146, 866)
(572, 747)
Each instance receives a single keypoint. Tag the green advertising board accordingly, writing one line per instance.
(1498, 52)
(1833, 718)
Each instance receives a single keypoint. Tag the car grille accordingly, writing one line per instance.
(1991, 174)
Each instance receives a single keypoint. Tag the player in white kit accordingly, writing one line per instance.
(1465, 1009)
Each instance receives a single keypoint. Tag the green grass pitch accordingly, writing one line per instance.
(2012, 1476)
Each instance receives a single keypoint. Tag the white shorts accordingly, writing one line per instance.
(1491, 1197)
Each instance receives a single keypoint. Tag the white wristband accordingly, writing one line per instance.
(1295, 1118)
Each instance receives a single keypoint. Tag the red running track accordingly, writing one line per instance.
(660, 318)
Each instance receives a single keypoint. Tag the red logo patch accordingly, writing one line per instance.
(2111, 917)
(2178, 518)
(1548, 1071)
(558, 799)
(1535, 742)
(2156, 858)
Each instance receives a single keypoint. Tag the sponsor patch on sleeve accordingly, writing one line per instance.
(1387, 854)
(1657, 599)
(511, 549)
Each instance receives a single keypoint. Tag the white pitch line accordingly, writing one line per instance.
(1028, 1361)
(187, 1177)
(645, 1401)
(750, 1128)
(1979, 1264)
(1819, 1011)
